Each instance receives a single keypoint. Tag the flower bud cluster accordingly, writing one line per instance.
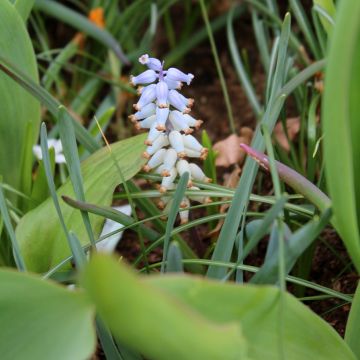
(163, 110)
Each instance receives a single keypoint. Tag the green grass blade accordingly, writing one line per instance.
(19, 261)
(112, 214)
(305, 27)
(218, 66)
(48, 100)
(174, 209)
(174, 258)
(353, 324)
(72, 240)
(70, 150)
(295, 245)
(81, 23)
(239, 67)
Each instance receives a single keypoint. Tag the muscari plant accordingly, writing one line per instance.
(163, 110)
(252, 322)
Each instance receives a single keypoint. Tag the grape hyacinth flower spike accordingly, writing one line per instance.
(164, 111)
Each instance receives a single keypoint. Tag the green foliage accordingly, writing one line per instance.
(341, 126)
(353, 324)
(40, 320)
(19, 120)
(190, 324)
(43, 243)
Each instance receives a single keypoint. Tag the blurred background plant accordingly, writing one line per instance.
(259, 70)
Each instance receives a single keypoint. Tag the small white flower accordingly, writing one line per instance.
(56, 145)
(108, 245)
(146, 77)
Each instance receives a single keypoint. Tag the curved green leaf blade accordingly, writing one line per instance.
(40, 320)
(39, 233)
(341, 111)
(353, 324)
(154, 322)
(19, 111)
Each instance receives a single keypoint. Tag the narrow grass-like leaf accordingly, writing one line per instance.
(174, 258)
(19, 261)
(225, 243)
(190, 42)
(239, 67)
(72, 240)
(70, 150)
(326, 10)
(47, 99)
(353, 324)
(341, 137)
(298, 182)
(253, 269)
(305, 27)
(174, 209)
(263, 228)
(81, 23)
(218, 66)
(295, 245)
(112, 214)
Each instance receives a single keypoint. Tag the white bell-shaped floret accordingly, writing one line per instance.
(146, 123)
(182, 166)
(177, 75)
(156, 160)
(197, 174)
(172, 84)
(184, 216)
(162, 115)
(145, 112)
(153, 134)
(178, 101)
(168, 181)
(145, 77)
(159, 143)
(191, 143)
(178, 122)
(169, 161)
(148, 95)
(190, 121)
(176, 141)
(151, 63)
(162, 92)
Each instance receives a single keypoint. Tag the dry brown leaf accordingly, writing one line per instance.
(293, 128)
(229, 151)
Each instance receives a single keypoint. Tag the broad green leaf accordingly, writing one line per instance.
(256, 309)
(172, 317)
(40, 320)
(341, 111)
(42, 242)
(155, 323)
(24, 7)
(19, 111)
